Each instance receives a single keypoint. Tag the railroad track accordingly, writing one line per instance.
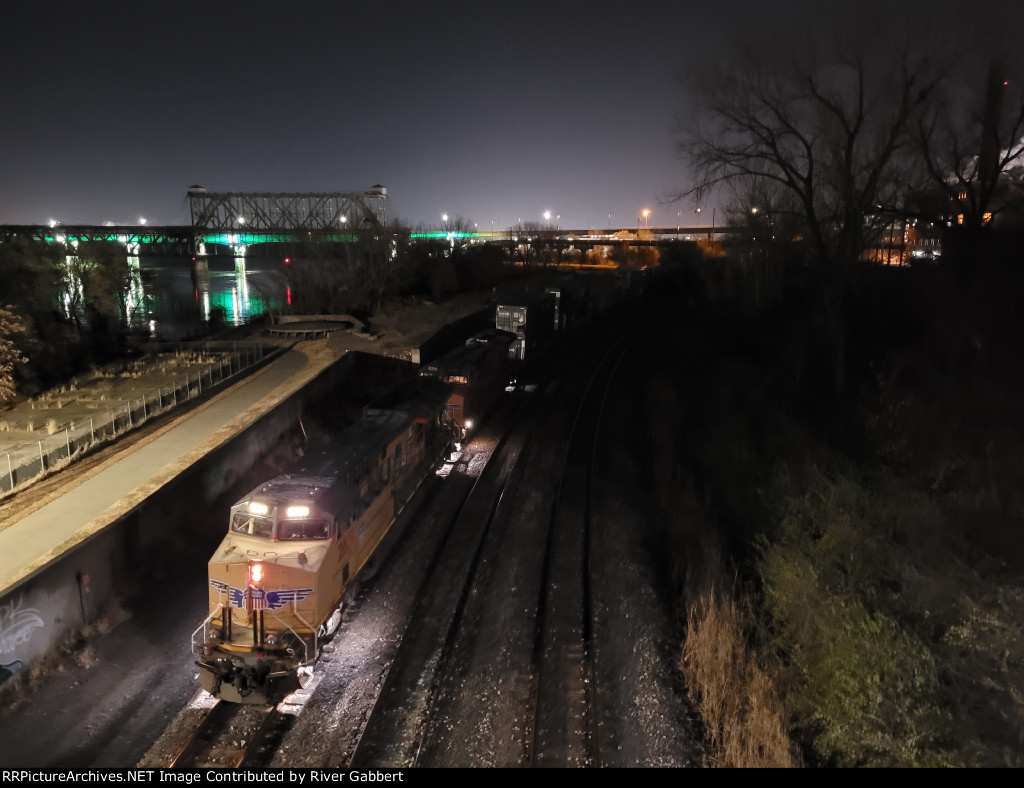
(394, 732)
(565, 733)
(232, 736)
(540, 680)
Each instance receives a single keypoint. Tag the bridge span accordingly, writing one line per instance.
(228, 223)
(183, 240)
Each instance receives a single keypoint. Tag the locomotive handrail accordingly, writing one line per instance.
(312, 631)
(305, 646)
(207, 620)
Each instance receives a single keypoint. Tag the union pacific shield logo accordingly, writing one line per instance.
(258, 598)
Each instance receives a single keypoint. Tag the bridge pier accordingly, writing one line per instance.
(201, 284)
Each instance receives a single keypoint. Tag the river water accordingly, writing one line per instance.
(178, 297)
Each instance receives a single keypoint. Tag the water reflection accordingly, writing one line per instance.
(182, 296)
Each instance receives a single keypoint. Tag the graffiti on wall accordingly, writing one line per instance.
(17, 624)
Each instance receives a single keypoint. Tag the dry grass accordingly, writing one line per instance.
(742, 713)
(743, 717)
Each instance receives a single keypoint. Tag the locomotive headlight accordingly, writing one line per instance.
(297, 511)
(469, 424)
(255, 574)
(258, 508)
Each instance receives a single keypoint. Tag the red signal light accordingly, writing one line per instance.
(287, 260)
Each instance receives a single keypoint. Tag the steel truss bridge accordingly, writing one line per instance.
(270, 217)
(232, 219)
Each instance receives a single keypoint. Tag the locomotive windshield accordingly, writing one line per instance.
(252, 525)
(293, 530)
(262, 527)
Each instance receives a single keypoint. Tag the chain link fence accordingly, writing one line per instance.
(57, 449)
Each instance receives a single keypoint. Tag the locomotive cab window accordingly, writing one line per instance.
(252, 525)
(295, 530)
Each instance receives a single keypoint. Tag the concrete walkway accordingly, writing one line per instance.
(41, 536)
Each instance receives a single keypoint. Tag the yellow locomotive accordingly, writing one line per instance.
(295, 544)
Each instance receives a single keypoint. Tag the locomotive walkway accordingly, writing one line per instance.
(85, 506)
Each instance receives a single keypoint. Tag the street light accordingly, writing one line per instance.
(646, 214)
(444, 218)
(142, 220)
(547, 218)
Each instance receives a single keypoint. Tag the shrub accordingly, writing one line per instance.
(860, 684)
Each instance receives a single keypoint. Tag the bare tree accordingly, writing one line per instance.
(971, 139)
(816, 116)
(379, 262)
(460, 226)
(821, 120)
(527, 241)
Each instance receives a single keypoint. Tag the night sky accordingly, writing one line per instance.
(491, 111)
